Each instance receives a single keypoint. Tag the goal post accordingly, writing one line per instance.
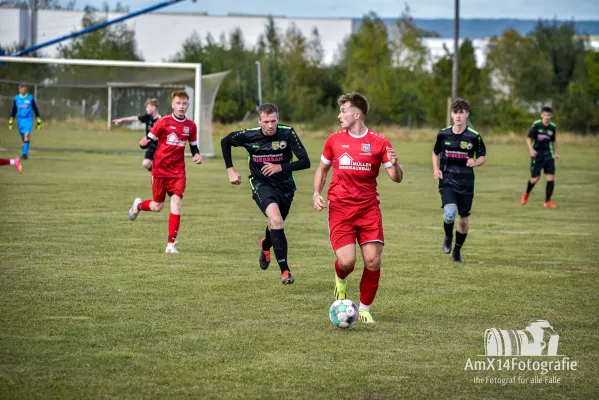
(150, 75)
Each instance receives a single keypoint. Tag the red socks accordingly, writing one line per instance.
(369, 286)
(341, 274)
(4, 161)
(173, 227)
(144, 205)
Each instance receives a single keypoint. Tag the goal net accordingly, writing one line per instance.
(100, 91)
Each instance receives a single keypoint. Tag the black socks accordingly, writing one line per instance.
(279, 243)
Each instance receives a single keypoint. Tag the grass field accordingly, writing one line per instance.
(91, 307)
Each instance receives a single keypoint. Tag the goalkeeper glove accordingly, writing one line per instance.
(39, 124)
(10, 122)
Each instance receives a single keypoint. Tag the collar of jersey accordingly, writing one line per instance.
(23, 95)
(177, 119)
(461, 133)
(360, 136)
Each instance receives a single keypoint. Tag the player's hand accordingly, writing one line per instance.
(270, 169)
(117, 121)
(10, 122)
(437, 174)
(533, 154)
(197, 159)
(319, 203)
(471, 163)
(143, 143)
(392, 155)
(557, 156)
(234, 177)
(39, 124)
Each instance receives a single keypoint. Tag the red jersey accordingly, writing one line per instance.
(172, 135)
(356, 162)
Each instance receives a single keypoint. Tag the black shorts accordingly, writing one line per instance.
(265, 195)
(547, 165)
(462, 201)
(150, 151)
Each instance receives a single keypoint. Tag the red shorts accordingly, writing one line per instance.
(162, 186)
(346, 224)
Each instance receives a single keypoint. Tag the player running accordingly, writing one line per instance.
(458, 150)
(356, 154)
(542, 147)
(271, 147)
(23, 109)
(168, 174)
(15, 162)
(149, 118)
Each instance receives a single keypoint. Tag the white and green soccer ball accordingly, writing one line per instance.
(343, 313)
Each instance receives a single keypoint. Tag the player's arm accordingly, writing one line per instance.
(233, 139)
(302, 162)
(126, 119)
(390, 162)
(320, 177)
(37, 114)
(437, 173)
(13, 114)
(531, 135)
(194, 145)
(153, 136)
(554, 144)
(481, 152)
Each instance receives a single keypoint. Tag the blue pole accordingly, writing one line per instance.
(95, 27)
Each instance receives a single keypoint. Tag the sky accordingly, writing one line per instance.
(521, 9)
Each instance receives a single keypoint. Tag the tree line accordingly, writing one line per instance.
(553, 65)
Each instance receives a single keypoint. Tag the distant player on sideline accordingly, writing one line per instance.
(168, 174)
(15, 162)
(356, 154)
(149, 118)
(271, 147)
(458, 150)
(542, 146)
(23, 108)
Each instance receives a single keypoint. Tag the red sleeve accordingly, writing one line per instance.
(385, 159)
(157, 130)
(193, 135)
(327, 153)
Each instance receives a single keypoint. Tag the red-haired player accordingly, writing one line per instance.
(168, 170)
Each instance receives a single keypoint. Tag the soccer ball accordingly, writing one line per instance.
(343, 313)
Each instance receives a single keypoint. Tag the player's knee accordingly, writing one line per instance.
(449, 213)
(147, 164)
(463, 224)
(346, 263)
(157, 206)
(534, 179)
(275, 222)
(550, 178)
(372, 262)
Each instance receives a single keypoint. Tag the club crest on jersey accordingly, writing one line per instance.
(282, 145)
(463, 145)
(469, 146)
(186, 129)
(365, 147)
(276, 145)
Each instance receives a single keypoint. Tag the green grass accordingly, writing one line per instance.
(91, 307)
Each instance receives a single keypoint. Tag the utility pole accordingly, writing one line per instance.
(259, 84)
(456, 50)
(33, 23)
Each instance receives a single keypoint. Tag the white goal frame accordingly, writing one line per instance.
(197, 94)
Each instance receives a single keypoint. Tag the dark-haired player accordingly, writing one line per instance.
(458, 150)
(149, 119)
(356, 154)
(168, 174)
(542, 147)
(271, 147)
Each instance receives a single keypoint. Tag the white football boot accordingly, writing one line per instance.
(170, 248)
(133, 211)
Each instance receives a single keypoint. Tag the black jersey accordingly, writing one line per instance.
(455, 150)
(276, 149)
(147, 119)
(542, 139)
